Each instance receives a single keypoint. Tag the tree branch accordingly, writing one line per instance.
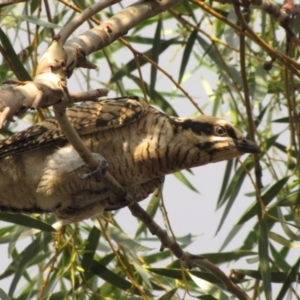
(108, 31)
(190, 260)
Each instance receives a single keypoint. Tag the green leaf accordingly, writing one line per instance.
(90, 248)
(231, 193)
(276, 277)
(131, 65)
(3, 295)
(38, 21)
(122, 239)
(232, 233)
(109, 276)
(263, 253)
(261, 84)
(158, 99)
(290, 200)
(180, 176)
(225, 182)
(188, 49)
(177, 274)
(155, 57)
(279, 259)
(211, 289)
(59, 295)
(223, 257)
(26, 221)
(169, 295)
(18, 68)
(291, 276)
(23, 259)
(281, 240)
(228, 73)
(269, 195)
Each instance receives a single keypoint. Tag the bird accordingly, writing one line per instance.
(40, 172)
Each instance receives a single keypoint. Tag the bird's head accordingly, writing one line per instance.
(216, 138)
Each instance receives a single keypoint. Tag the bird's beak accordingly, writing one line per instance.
(247, 146)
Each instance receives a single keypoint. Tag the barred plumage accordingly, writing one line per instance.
(41, 172)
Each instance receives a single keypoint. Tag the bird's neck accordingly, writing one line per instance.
(169, 147)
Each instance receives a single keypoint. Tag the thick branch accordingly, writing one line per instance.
(83, 17)
(108, 31)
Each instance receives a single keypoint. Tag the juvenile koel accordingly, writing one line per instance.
(41, 172)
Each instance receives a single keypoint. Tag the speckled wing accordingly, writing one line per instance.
(88, 118)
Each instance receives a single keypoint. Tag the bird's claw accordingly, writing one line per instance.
(100, 171)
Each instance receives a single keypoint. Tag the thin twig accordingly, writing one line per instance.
(54, 259)
(251, 125)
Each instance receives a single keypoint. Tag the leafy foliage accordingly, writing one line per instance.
(251, 76)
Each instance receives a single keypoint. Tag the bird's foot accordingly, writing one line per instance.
(99, 172)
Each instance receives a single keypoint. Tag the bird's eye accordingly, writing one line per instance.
(220, 130)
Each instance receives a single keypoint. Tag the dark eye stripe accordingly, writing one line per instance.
(197, 127)
(231, 132)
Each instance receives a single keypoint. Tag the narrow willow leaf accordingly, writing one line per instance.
(276, 277)
(26, 221)
(131, 65)
(290, 200)
(188, 49)
(177, 274)
(269, 195)
(158, 99)
(142, 273)
(155, 56)
(263, 253)
(279, 146)
(109, 276)
(144, 40)
(18, 68)
(223, 257)
(90, 248)
(59, 296)
(233, 232)
(282, 120)
(169, 295)
(279, 259)
(19, 264)
(209, 288)
(232, 192)
(180, 176)
(285, 225)
(168, 272)
(227, 72)
(38, 21)
(5, 230)
(3, 295)
(291, 277)
(235, 183)
(259, 118)
(122, 239)
(261, 84)
(206, 297)
(28, 253)
(281, 240)
(186, 7)
(156, 257)
(225, 182)
(272, 142)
